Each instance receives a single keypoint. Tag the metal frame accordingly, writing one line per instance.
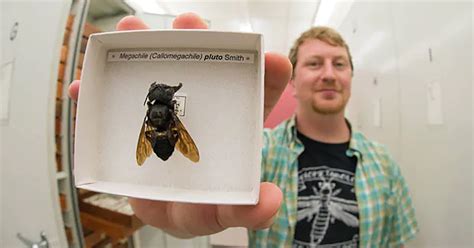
(66, 185)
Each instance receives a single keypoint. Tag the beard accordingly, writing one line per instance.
(329, 107)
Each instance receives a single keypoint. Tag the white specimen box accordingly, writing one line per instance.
(221, 107)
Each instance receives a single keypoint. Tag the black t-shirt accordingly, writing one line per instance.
(327, 206)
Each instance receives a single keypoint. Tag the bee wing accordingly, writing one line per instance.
(337, 211)
(144, 149)
(185, 143)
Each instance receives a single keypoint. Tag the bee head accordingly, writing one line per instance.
(162, 92)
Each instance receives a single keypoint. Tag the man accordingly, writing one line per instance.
(339, 188)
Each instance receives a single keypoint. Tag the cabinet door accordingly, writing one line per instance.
(31, 37)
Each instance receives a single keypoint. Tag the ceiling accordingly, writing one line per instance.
(280, 21)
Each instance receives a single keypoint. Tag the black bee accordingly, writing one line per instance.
(162, 130)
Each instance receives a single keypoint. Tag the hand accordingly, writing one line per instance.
(188, 220)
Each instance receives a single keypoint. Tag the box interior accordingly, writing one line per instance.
(224, 115)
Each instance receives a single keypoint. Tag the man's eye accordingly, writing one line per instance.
(314, 63)
(340, 64)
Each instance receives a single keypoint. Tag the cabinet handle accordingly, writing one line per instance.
(43, 243)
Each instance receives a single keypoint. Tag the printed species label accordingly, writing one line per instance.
(140, 56)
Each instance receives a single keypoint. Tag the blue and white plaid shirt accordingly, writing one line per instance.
(386, 214)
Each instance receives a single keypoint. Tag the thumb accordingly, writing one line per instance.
(253, 217)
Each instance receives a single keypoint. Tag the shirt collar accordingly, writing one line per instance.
(354, 143)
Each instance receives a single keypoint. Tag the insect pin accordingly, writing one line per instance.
(162, 130)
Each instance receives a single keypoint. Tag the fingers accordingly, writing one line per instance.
(186, 220)
(253, 217)
(73, 90)
(183, 21)
(194, 219)
(183, 220)
(189, 21)
(156, 213)
(150, 212)
(131, 23)
(277, 76)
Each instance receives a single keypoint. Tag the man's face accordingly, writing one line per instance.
(322, 77)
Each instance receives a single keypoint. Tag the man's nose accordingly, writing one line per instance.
(328, 73)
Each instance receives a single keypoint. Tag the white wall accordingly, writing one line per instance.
(391, 44)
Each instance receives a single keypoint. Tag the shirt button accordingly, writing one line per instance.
(349, 153)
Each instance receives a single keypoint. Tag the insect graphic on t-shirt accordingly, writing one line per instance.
(325, 206)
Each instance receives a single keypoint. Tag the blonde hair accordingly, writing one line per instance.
(322, 33)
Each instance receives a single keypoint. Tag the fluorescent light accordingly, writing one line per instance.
(147, 6)
(324, 13)
(327, 9)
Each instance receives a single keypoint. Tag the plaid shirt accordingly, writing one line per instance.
(386, 215)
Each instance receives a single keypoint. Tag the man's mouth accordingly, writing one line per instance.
(327, 90)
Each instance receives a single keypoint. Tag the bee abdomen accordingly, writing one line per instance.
(163, 148)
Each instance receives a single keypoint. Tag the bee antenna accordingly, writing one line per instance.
(176, 88)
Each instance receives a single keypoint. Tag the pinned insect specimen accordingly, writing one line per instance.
(162, 130)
